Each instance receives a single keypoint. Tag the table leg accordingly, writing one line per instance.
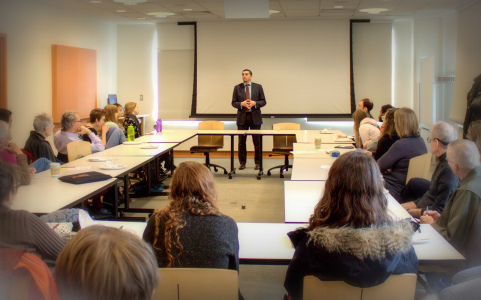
(261, 168)
(149, 178)
(232, 169)
(126, 191)
(116, 201)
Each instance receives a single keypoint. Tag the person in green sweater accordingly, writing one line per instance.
(454, 224)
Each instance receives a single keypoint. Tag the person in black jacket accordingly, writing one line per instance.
(350, 236)
(420, 194)
(472, 113)
(388, 134)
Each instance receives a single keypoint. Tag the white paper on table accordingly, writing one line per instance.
(82, 168)
(85, 220)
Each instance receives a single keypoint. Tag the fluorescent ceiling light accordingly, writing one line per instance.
(373, 10)
(120, 10)
(130, 2)
(273, 11)
(338, 6)
(246, 9)
(160, 14)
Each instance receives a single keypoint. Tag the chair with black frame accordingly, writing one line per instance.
(209, 143)
(283, 145)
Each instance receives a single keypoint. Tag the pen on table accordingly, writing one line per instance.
(72, 167)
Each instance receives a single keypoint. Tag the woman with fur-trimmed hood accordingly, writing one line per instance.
(350, 236)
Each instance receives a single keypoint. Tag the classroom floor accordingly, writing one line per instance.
(263, 201)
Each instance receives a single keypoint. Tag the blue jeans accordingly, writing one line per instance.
(115, 137)
(40, 165)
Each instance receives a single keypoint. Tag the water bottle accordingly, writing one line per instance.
(158, 126)
(130, 133)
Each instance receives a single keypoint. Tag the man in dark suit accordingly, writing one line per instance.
(248, 98)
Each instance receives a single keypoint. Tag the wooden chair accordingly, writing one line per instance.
(78, 149)
(420, 167)
(193, 284)
(283, 145)
(209, 143)
(396, 287)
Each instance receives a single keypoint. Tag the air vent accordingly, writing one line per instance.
(337, 11)
(195, 12)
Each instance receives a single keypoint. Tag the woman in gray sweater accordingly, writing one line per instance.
(395, 162)
(191, 232)
(20, 229)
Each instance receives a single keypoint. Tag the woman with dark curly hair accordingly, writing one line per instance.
(191, 232)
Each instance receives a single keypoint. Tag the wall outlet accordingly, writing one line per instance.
(141, 97)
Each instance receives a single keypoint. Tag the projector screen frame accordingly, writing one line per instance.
(194, 114)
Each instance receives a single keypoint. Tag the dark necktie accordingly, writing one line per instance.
(248, 94)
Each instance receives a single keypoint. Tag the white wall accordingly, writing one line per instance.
(137, 69)
(468, 58)
(31, 30)
(402, 63)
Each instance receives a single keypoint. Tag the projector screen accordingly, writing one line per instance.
(303, 66)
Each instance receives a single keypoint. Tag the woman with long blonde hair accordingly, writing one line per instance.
(190, 231)
(350, 236)
(395, 162)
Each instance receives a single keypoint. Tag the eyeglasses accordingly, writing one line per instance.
(428, 139)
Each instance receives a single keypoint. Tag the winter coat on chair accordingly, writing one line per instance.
(361, 257)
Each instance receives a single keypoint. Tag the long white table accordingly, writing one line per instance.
(268, 243)
(308, 136)
(168, 136)
(300, 198)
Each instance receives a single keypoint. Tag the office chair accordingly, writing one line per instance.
(283, 145)
(209, 143)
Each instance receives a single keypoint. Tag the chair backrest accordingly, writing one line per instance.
(191, 284)
(419, 166)
(29, 155)
(282, 141)
(211, 140)
(396, 287)
(74, 149)
(473, 245)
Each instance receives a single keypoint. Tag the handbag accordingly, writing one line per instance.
(85, 177)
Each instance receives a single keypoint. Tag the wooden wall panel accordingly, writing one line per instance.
(3, 71)
(74, 81)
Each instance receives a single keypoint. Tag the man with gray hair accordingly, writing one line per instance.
(36, 143)
(454, 224)
(420, 194)
(71, 128)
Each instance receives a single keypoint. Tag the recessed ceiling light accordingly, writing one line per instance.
(373, 10)
(338, 6)
(160, 14)
(187, 9)
(273, 11)
(140, 18)
(95, 2)
(120, 10)
(130, 2)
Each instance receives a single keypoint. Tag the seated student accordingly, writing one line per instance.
(395, 162)
(474, 133)
(20, 229)
(383, 111)
(420, 194)
(111, 116)
(97, 125)
(71, 128)
(454, 223)
(120, 113)
(104, 263)
(466, 285)
(131, 112)
(365, 128)
(350, 236)
(6, 116)
(21, 163)
(191, 232)
(36, 143)
(367, 105)
(388, 134)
